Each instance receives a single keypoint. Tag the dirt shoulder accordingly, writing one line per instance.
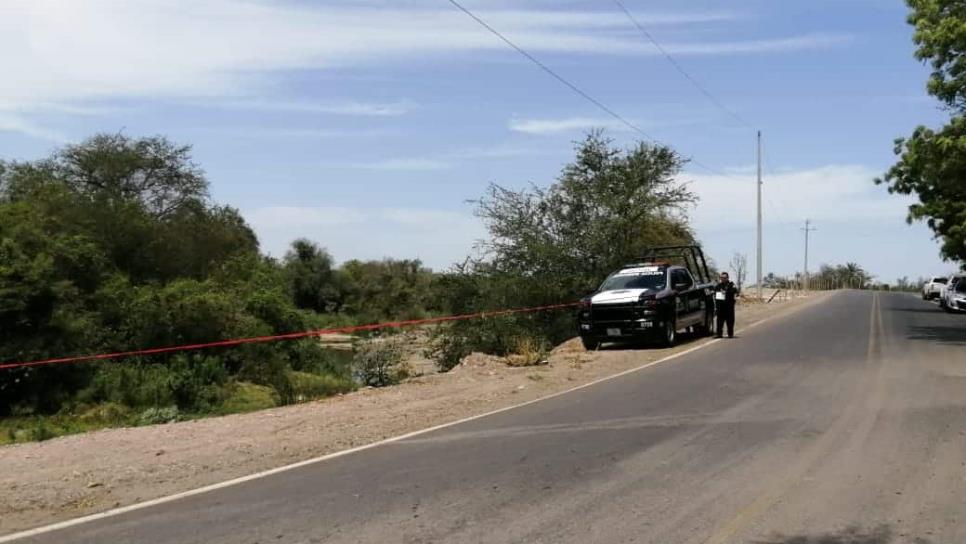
(67, 477)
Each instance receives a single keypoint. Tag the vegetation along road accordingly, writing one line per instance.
(840, 419)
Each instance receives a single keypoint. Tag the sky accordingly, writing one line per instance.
(368, 125)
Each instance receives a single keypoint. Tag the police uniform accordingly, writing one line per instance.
(724, 304)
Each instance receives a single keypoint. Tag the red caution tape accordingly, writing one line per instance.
(277, 337)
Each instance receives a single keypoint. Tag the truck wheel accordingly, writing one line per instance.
(707, 326)
(670, 333)
(590, 343)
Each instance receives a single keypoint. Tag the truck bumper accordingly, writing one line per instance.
(623, 330)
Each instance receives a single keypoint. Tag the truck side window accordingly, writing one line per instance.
(680, 276)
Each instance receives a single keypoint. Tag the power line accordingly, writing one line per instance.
(680, 68)
(583, 94)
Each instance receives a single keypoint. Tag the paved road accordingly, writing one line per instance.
(842, 423)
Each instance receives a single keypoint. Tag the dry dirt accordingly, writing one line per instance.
(75, 475)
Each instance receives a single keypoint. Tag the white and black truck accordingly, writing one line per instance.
(668, 291)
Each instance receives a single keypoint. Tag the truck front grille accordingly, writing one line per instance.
(614, 312)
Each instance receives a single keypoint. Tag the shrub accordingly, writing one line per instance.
(247, 397)
(195, 382)
(446, 349)
(377, 363)
(306, 386)
(529, 351)
(109, 413)
(132, 383)
(42, 432)
(154, 416)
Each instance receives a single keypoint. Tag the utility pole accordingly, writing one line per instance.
(759, 217)
(807, 229)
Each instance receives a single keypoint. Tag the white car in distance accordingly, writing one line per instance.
(934, 287)
(953, 296)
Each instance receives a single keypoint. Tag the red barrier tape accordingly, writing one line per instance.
(289, 336)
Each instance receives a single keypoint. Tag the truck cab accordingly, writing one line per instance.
(649, 300)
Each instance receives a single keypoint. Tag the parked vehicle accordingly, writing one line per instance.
(653, 299)
(953, 297)
(933, 288)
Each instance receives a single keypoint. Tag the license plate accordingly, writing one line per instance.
(613, 332)
(647, 324)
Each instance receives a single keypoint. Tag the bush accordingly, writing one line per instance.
(500, 336)
(378, 363)
(447, 349)
(109, 413)
(306, 386)
(42, 432)
(132, 383)
(154, 416)
(529, 351)
(243, 397)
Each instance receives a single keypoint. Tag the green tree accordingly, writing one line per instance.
(932, 163)
(117, 168)
(388, 289)
(556, 244)
(312, 277)
(112, 244)
(605, 209)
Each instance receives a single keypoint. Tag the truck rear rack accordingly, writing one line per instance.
(690, 256)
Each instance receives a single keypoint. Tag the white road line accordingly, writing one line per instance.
(228, 483)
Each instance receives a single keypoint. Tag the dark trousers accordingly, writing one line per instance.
(726, 314)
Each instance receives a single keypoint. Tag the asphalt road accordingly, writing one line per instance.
(844, 422)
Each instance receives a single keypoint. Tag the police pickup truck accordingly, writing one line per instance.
(650, 300)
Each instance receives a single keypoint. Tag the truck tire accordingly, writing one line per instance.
(707, 326)
(670, 333)
(590, 343)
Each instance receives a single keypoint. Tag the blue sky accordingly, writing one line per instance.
(367, 125)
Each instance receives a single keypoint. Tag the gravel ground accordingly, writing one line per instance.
(81, 474)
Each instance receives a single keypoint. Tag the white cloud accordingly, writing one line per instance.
(19, 124)
(438, 237)
(370, 109)
(405, 165)
(284, 217)
(570, 124)
(255, 132)
(857, 221)
(65, 52)
(833, 193)
(775, 45)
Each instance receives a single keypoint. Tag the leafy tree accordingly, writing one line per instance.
(556, 244)
(314, 282)
(117, 168)
(112, 244)
(849, 275)
(932, 163)
(389, 289)
(605, 209)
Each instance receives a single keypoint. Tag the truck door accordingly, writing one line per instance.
(689, 298)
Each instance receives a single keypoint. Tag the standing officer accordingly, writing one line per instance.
(724, 304)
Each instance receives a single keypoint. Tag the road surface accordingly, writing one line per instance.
(842, 423)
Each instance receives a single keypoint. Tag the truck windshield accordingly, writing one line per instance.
(634, 280)
(961, 286)
(939, 280)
